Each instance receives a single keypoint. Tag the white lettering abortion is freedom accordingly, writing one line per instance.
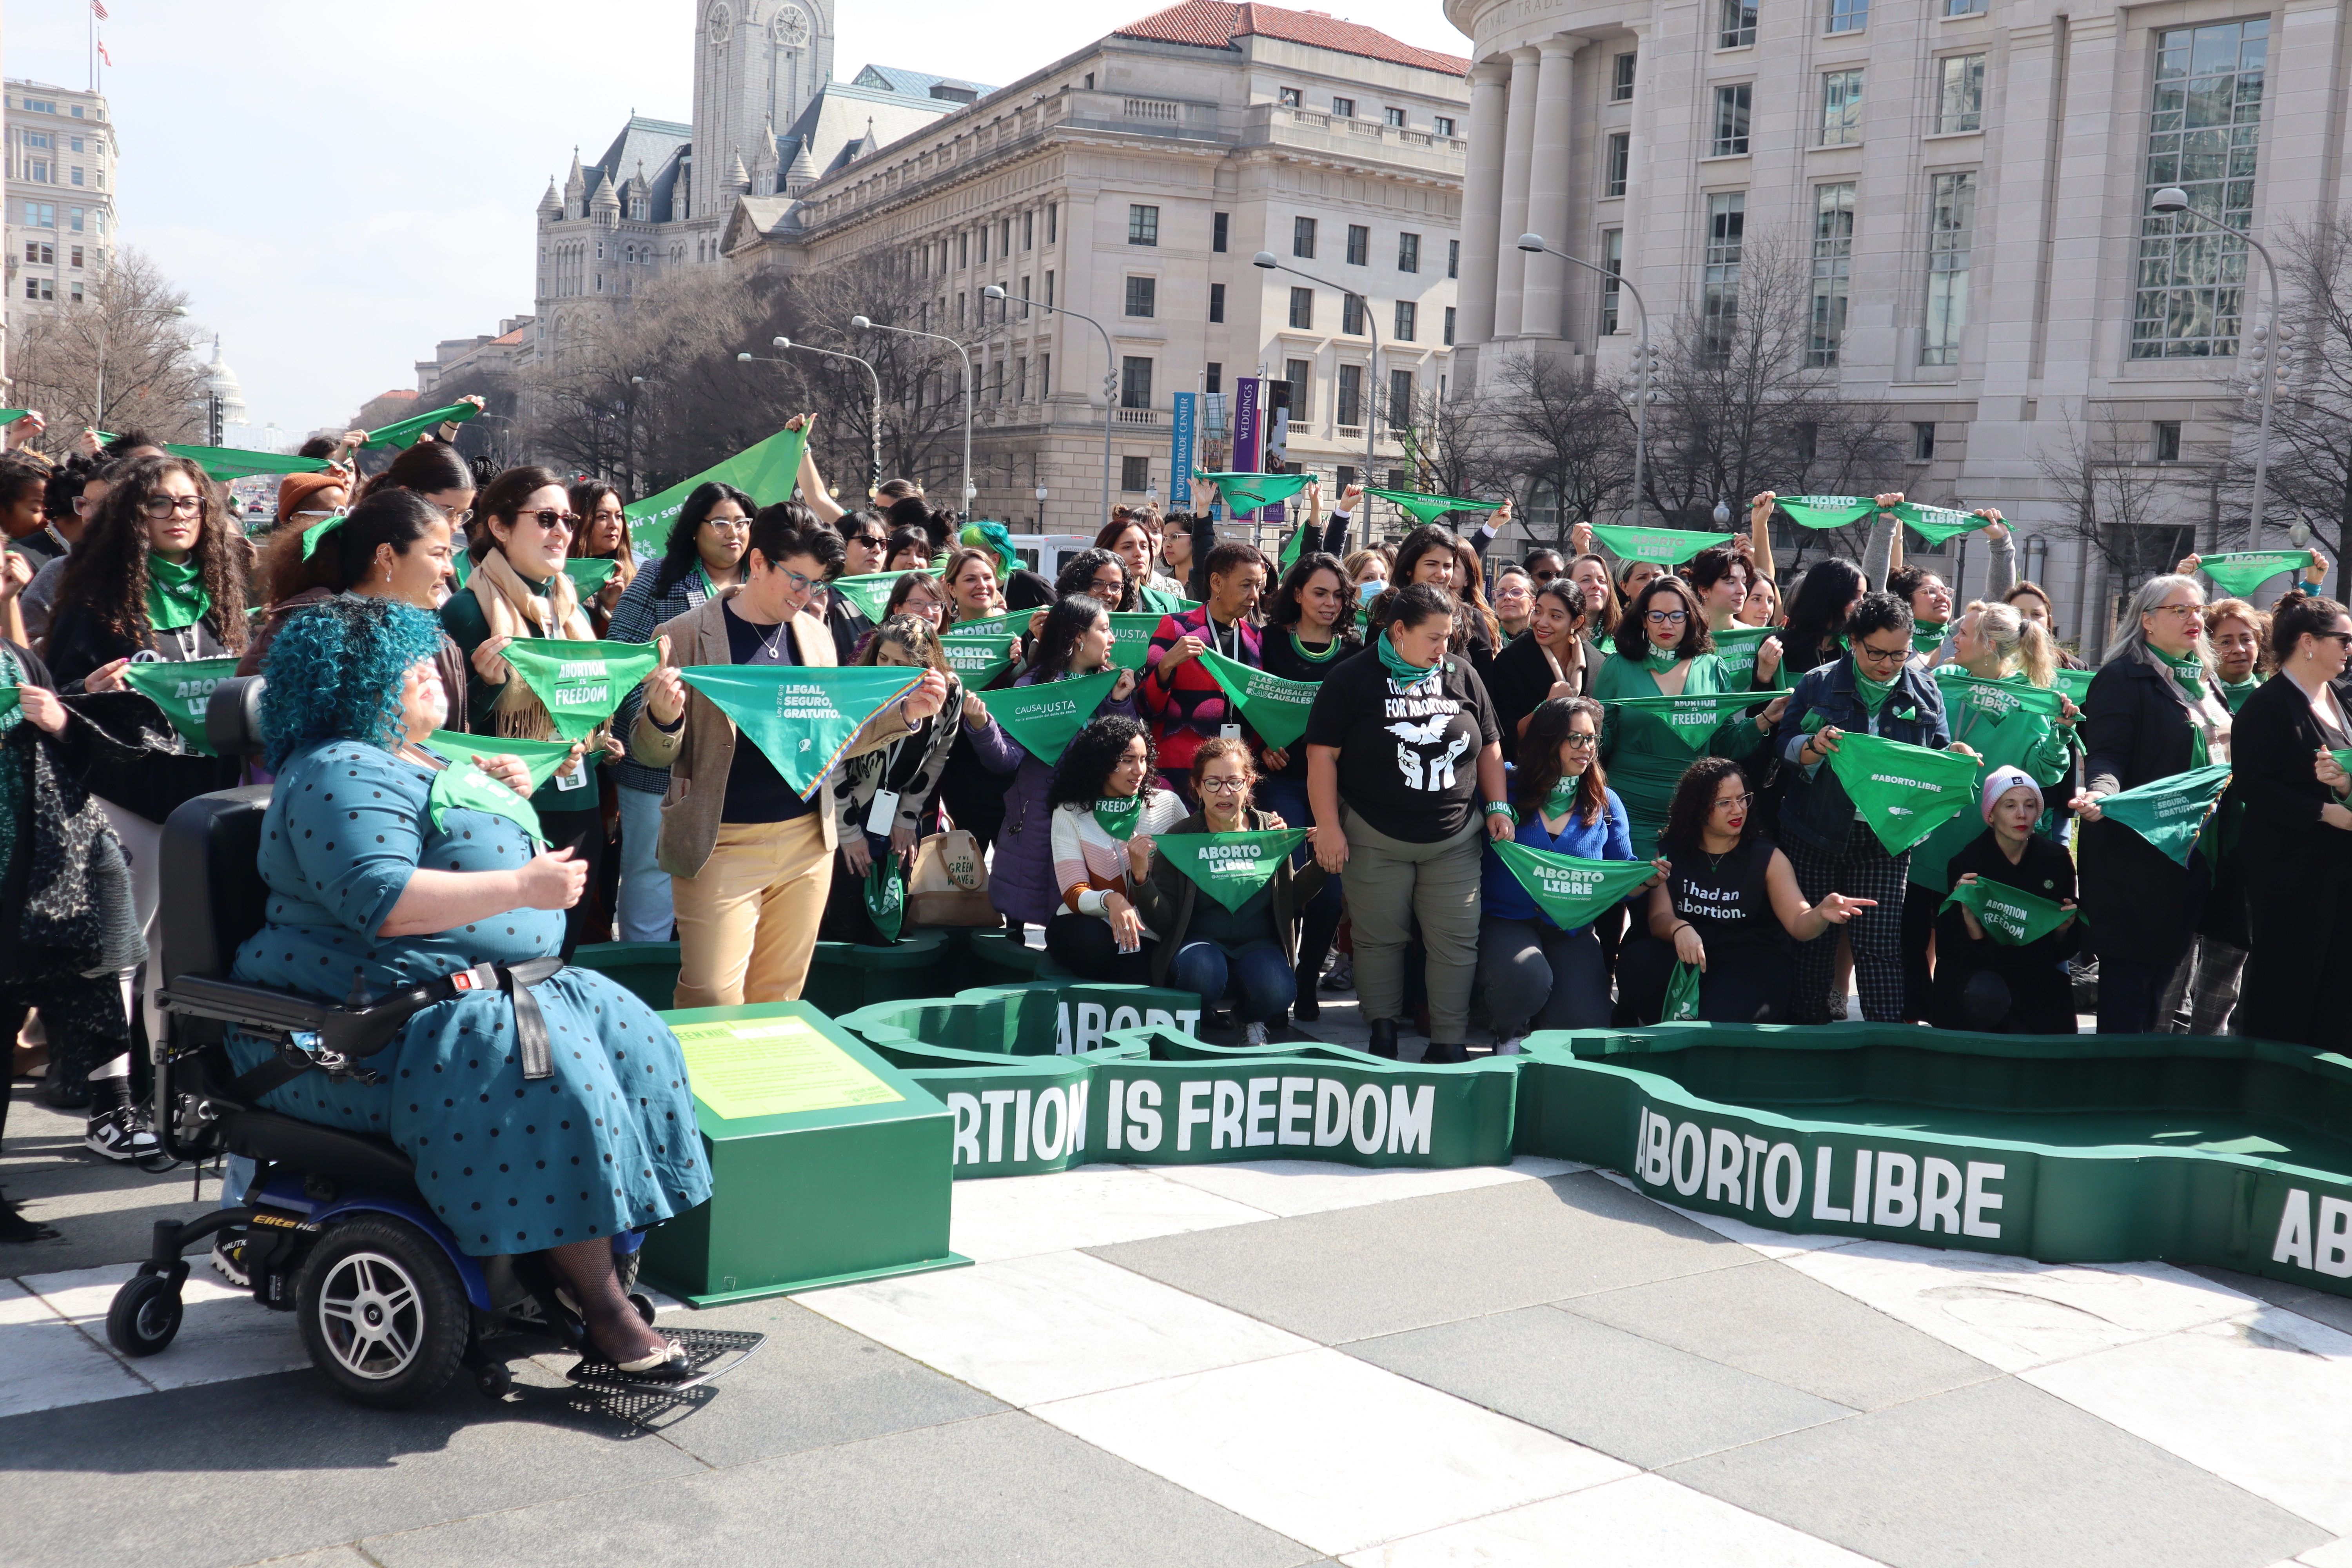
(582, 669)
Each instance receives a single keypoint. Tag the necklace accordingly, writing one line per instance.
(1306, 651)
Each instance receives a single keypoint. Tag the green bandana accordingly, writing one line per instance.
(1826, 511)
(1119, 815)
(463, 786)
(1660, 658)
(2171, 812)
(1560, 801)
(2188, 672)
(978, 651)
(10, 698)
(589, 573)
(2074, 684)
(1402, 671)
(1130, 636)
(1230, 866)
(316, 534)
(1044, 716)
(1925, 639)
(540, 759)
(1429, 509)
(2235, 693)
(1665, 546)
(182, 690)
(886, 896)
(2010, 918)
(1873, 693)
(228, 463)
(801, 717)
(2241, 571)
(1738, 648)
(1572, 891)
(1250, 492)
(1936, 524)
(175, 595)
(1331, 649)
(1677, 726)
(581, 682)
(1681, 995)
(1903, 792)
(764, 471)
(867, 593)
(1276, 709)
(2343, 759)
(405, 432)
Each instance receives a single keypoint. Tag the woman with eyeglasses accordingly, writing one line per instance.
(604, 536)
(702, 558)
(1537, 974)
(866, 542)
(1731, 906)
(1514, 603)
(519, 589)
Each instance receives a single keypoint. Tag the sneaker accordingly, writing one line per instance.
(1253, 1035)
(1342, 976)
(1511, 1046)
(120, 1135)
(228, 1259)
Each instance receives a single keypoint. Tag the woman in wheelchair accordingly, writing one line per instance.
(385, 871)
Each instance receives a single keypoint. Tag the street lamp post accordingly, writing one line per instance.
(875, 482)
(1266, 260)
(866, 324)
(2173, 201)
(1110, 381)
(1534, 244)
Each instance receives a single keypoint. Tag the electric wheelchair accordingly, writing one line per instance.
(389, 1307)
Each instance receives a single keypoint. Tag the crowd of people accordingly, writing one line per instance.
(1367, 726)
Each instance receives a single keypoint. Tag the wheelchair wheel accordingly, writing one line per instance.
(145, 1315)
(383, 1313)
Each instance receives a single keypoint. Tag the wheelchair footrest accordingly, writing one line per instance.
(711, 1353)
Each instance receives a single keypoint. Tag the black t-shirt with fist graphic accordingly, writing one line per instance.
(1408, 759)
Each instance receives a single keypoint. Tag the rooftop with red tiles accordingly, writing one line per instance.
(1215, 24)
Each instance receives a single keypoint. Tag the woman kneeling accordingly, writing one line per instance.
(379, 881)
(1103, 819)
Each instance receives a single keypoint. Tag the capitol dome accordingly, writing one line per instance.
(221, 381)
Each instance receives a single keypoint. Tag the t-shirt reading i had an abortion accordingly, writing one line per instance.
(1408, 759)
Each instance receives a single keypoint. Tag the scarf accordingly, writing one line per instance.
(513, 610)
(1561, 800)
(1873, 693)
(1119, 815)
(2209, 716)
(2188, 673)
(1402, 671)
(2235, 693)
(175, 595)
(1660, 659)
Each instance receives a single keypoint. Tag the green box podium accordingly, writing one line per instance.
(827, 1164)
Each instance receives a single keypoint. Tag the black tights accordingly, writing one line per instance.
(1084, 943)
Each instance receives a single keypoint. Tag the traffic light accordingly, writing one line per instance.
(214, 430)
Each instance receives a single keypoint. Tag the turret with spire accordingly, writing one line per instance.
(803, 174)
(738, 182)
(606, 206)
(763, 163)
(576, 190)
(550, 206)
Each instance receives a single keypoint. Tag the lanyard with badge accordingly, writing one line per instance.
(1228, 732)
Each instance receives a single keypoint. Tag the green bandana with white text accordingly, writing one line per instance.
(2171, 812)
(1250, 492)
(404, 432)
(2241, 571)
(1905, 792)
(886, 896)
(1130, 636)
(1738, 648)
(182, 690)
(463, 785)
(1671, 724)
(1936, 523)
(1043, 717)
(1681, 995)
(868, 592)
(2010, 918)
(1276, 709)
(979, 651)
(1826, 511)
(1572, 891)
(580, 683)
(801, 717)
(1119, 815)
(540, 759)
(765, 472)
(1230, 866)
(1429, 509)
(2074, 684)
(1664, 546)
(589, 575)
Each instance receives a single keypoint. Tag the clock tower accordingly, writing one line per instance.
(756, 65)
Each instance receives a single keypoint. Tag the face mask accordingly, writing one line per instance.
(1367, 592)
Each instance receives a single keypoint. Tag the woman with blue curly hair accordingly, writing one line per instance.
(379, 880)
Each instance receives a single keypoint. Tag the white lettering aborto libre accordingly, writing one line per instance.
(1888, 1187)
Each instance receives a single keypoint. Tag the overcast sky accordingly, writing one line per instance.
(339, 187)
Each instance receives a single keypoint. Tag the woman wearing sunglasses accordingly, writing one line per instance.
(519, 589)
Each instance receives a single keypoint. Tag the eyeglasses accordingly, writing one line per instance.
(1880, 655)
(84, 505)
(871, 541)
(1225, 786)
(1736, 803)
(551, 520)
(798, 582)
(297, 516)
(1543, 577)
(456, 518)
(1668, 618)
(165, 506)
(1576, 742)
(2188, 612)
(2344, 638)
(729, 524)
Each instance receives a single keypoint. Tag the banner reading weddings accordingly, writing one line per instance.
(801, 717)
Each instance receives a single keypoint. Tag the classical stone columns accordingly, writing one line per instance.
(1546, 276)
(1518, 154)
(1482, 203)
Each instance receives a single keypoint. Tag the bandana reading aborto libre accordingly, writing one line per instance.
(1231, 866)
(182, 689)
(1572, 891)
(1903, 792)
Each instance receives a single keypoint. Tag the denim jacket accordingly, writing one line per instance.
(1816, 812)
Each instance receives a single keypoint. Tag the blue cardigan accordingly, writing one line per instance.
(1606, 839)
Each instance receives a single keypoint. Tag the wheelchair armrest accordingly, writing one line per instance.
(351, 1032)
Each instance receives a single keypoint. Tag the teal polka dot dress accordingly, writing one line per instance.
(608, 1145)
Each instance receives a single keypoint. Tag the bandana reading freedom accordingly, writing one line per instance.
(580, 682)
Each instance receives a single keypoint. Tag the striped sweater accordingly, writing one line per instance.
(1088, 862)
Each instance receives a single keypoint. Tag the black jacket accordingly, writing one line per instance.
(78, 644)
(1166, 896)
(2271, 748)
(2136, 903)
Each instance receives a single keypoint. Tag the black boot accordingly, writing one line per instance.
(1384, 1042)
(1315, 934)
(1306, 1008)
(1437, 1054)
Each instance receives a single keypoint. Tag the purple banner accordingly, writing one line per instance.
(1245, 424)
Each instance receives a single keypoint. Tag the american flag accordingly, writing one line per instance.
(98, 9)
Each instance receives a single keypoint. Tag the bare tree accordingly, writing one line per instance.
(1567, 437)
(119, 359)
(2115, 503)
(1453, 446)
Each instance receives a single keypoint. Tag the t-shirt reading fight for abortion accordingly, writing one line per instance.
(1408, 760)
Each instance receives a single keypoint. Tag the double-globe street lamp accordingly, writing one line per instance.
(874, 414)
(2173, 202)
(1110, 381)
(866, 324)
(1533, 243)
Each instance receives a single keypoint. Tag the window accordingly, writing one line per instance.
(1291, 96)
(1848, 15)
(1300, 373)
(40, 171)
(1142, 225)
(77, 112)
(1359, 245)
(998, 394)
(1021, 378)
(40, 288)
(1302, 309)
(73, 145)
(1408, 318)
(1449, 326)
(1090, 81)
(76, 292)
(1727, 221)
(2167, 441)
(39, 255)
(1442, 124)
(97, 219)
(1735, 25)
(1025, 298)
(36, 139)
(1215, 377)
(1832, 268)
(1400, 403)
(1142, 297)
(1345, 475)
(42, 105)
(1841, 108)
(1052, 221)
(963, 250)
(1217, 301)
(1923, 441)
(1134, 473)
(1621, 83)
(1134, 381)
(1959, 97)
(73, 219)
(1613, 262)
(1351, 395)
(1004, 236)
(1392, 117)
(1029, 230)
(41, 215)
(1302, 238)
(1731, 120)
(1408, 253)
(1044, 375)
(1951, 226)
(75, 257)
(1218, 225)
(1621, 158)
(1343, 108)
(1964, 7)
(1351, 315)
(1453, 258)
